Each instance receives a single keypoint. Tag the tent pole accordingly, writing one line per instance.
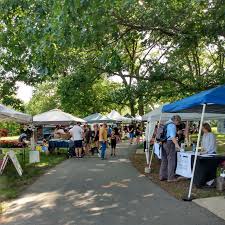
(152, 152)
(196, 152)
(147, 143)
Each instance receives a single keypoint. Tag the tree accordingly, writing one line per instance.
(81, 95)
(44, 98)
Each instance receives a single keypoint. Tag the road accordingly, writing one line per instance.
(91, 191)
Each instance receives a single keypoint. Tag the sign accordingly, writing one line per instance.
(3, 163)
(184, 164)
(11, 155)
(158, 150)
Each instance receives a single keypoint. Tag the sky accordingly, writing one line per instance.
(24, 92)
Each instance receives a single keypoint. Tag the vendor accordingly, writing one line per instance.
(58, 132)
(208, 140)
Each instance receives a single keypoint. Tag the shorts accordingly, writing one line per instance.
(113, 143)
(78, 144)
(131, 135)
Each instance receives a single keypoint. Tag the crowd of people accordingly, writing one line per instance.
(87, 139)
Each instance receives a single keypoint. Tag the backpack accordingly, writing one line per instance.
(161, 135)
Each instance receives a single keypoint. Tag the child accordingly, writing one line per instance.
(113, 143)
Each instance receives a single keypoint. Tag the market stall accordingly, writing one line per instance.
(6, 115)
(210, 102)
(56, 117)
(157, 115)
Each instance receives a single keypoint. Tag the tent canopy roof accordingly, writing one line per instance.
(117, 117)
(55, 117)
(7, 114)
(156, 114)
(213, 98)
(93, 118)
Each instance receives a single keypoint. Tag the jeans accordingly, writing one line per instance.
(103, 149)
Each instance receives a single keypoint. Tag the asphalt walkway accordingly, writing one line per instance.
(94, 192)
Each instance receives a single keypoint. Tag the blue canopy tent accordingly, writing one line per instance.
(210, 101)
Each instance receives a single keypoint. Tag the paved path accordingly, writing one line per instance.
(95, 192)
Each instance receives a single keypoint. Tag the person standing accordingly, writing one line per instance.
(138, 134)
(131, 133)
(103, 140)
(169, 145)
(87, 139)
(77, 135)
(113, 143)
(96, 136)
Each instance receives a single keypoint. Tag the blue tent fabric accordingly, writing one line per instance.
(213, 98)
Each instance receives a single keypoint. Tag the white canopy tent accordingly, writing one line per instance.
(55, 117)
(93, 118)
(117, 117)
(7, 114)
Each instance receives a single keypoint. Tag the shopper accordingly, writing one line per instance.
(87, 139)
(113, 143)
(169, 145)
(131, 133)
(77, 136)
(103, 140)
(96, 136)
(138, 134)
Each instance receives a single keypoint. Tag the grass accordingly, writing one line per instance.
(178, 189)
(11, 184)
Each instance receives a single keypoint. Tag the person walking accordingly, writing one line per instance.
(96, 136)
(138, 134)
(113, 143)
(169, 145)
(77, 135)
(131, 133)
(103, 140)
(87, 139)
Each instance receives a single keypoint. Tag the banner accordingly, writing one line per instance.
(184, 164)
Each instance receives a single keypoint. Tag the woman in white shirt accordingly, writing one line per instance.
(208, 140)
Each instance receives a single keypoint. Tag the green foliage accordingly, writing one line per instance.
(82, 96)
(157, 47)
(45, 98)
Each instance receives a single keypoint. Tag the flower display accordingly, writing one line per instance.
(11, 144)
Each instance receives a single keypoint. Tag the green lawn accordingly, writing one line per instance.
(11, 184)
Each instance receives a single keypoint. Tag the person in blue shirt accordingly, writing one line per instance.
(168, 161)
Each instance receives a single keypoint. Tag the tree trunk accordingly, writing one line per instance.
(132, 107)
(141, 106)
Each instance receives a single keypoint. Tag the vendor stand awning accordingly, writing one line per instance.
(55, 117)
(93, 118)
(8, 114)
(106, 119)
(210, 101)
(117, 117)
(213, 98)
